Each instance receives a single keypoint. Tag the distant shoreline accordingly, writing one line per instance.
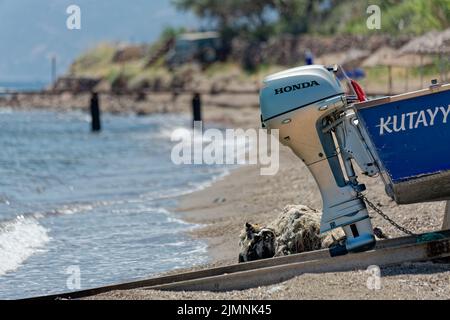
(233, 110)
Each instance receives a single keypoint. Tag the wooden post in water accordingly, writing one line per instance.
(421, 71)
(95, 113)
(390, 79)
(196, 108)
(446, 224)
(406, 79)
(53, 70)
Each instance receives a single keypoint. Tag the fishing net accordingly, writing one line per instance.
(295, 230)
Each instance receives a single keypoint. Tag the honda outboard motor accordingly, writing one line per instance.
(302, 103)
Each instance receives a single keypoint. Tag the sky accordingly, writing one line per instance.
(31, 31)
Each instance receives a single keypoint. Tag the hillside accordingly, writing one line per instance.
(412, 17)
(126, 68)
(254, 45)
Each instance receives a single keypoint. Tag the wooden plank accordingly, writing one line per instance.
(301, 257)
(271, 275)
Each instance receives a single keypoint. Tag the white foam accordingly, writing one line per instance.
(6, 110)
(206, 184)
(72, 209)
(178, 221)
(19, 239)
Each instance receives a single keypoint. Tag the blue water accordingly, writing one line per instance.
(98, 202)
(22, 86)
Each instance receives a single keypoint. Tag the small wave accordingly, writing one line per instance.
(68, 209)
(195, 187)
(201, 186)
(178, 221)
(5, 110)
(19, 239)
(72, 209)
(185, 190)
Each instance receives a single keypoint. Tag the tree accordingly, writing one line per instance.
(233, 16)
(227, 12)
(260, 19)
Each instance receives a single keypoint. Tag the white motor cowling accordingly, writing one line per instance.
(292, 89)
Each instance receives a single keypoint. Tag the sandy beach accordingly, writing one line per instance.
(245, 195)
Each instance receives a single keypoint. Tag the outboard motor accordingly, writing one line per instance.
(305, 104)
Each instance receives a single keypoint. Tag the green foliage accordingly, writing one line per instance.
(412, 17)
(256, 21)
(97, 57)
(232, 17)
(171, 32)
(301, 16)
(263, 18)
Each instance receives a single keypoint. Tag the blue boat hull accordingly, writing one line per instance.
(410, 138)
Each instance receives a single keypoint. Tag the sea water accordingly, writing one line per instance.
(101, 204)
